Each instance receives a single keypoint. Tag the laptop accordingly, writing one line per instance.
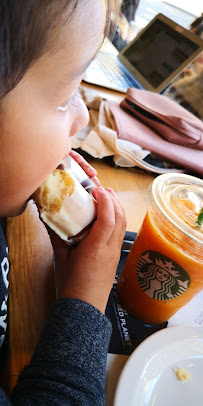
(151, 61)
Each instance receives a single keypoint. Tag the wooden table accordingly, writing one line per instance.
(31, 271)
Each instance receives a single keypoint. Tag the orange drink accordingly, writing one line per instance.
(164, 268)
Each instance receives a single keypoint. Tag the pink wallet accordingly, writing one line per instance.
(161, 126)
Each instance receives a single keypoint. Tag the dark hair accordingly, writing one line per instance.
(26, 28)
(197, 25)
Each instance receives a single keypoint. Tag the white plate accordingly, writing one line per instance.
(148, 378)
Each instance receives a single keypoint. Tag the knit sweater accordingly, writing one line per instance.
(68, 365)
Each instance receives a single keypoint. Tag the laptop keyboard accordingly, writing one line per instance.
(114, 72)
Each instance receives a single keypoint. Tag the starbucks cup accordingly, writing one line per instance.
(164, 269)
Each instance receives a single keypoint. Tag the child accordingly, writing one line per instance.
(45, 47)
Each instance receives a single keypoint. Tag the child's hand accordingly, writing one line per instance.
(87, 271)
(89, 170)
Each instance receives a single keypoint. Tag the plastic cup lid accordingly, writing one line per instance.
(179, 198)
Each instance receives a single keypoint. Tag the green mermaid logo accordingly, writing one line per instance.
(160, 277)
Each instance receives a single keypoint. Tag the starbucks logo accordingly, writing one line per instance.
(160, 277)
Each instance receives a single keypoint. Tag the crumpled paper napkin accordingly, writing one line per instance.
(99, 138)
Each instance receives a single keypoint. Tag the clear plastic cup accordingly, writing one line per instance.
(164, 269)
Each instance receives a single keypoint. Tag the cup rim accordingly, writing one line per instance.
(158, 196)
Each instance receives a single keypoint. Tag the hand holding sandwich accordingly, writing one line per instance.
(87, 271)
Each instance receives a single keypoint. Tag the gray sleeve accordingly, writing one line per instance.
(68, 366)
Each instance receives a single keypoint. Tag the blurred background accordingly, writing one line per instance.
(187, 89)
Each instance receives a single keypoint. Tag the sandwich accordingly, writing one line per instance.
(66, 205)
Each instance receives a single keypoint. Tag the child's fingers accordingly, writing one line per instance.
(96, 181)
(89, 170)
(120, 220)
(104, 225)
(110, 190)
(60, 247)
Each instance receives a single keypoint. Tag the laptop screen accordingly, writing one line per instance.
(158, 52)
